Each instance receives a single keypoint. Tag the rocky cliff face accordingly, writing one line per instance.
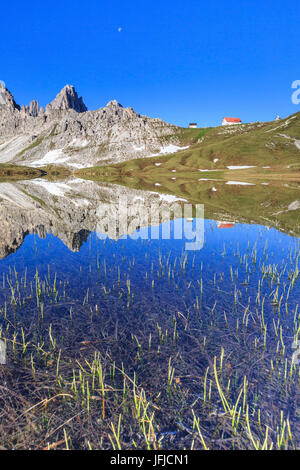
(7, 102)
(9, 112)
(66, 133)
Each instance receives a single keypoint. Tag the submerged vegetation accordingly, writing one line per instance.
(152, 347)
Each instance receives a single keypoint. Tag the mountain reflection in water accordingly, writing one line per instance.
(71, 209)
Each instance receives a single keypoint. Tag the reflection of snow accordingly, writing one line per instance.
(208, 170)
(234, 167)
(58, 189)
(11, 193)
(170, 198)
(207, 179)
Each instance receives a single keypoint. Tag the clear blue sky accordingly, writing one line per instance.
(181, 60)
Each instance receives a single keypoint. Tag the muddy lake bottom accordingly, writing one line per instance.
(142, 344)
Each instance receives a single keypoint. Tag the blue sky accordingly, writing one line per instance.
(181, 60)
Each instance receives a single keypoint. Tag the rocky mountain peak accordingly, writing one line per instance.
(113, 104)
(65, 132)
(7, 99)
(66, 99)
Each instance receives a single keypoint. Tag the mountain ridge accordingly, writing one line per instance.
(67, 133)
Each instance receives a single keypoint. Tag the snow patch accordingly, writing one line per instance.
(77, 142)
(139, 149)
(207, 179)
(54, 156)
(241, 183)
(169, 149)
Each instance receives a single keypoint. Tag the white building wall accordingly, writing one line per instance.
(226, 123)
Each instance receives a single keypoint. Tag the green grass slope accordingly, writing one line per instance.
(275, 144)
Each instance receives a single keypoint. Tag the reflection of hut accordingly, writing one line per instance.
(225, 224)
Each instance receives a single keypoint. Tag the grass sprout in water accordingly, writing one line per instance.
(138, 344)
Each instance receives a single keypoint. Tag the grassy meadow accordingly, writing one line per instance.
(261, 145)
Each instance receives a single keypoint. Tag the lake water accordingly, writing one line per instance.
(207, 334)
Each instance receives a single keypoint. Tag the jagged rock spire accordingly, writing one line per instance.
(66, 99)
(34, 108)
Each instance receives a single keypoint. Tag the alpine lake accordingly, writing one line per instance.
(132, 337)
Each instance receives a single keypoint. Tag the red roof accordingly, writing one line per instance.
(232, 119)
